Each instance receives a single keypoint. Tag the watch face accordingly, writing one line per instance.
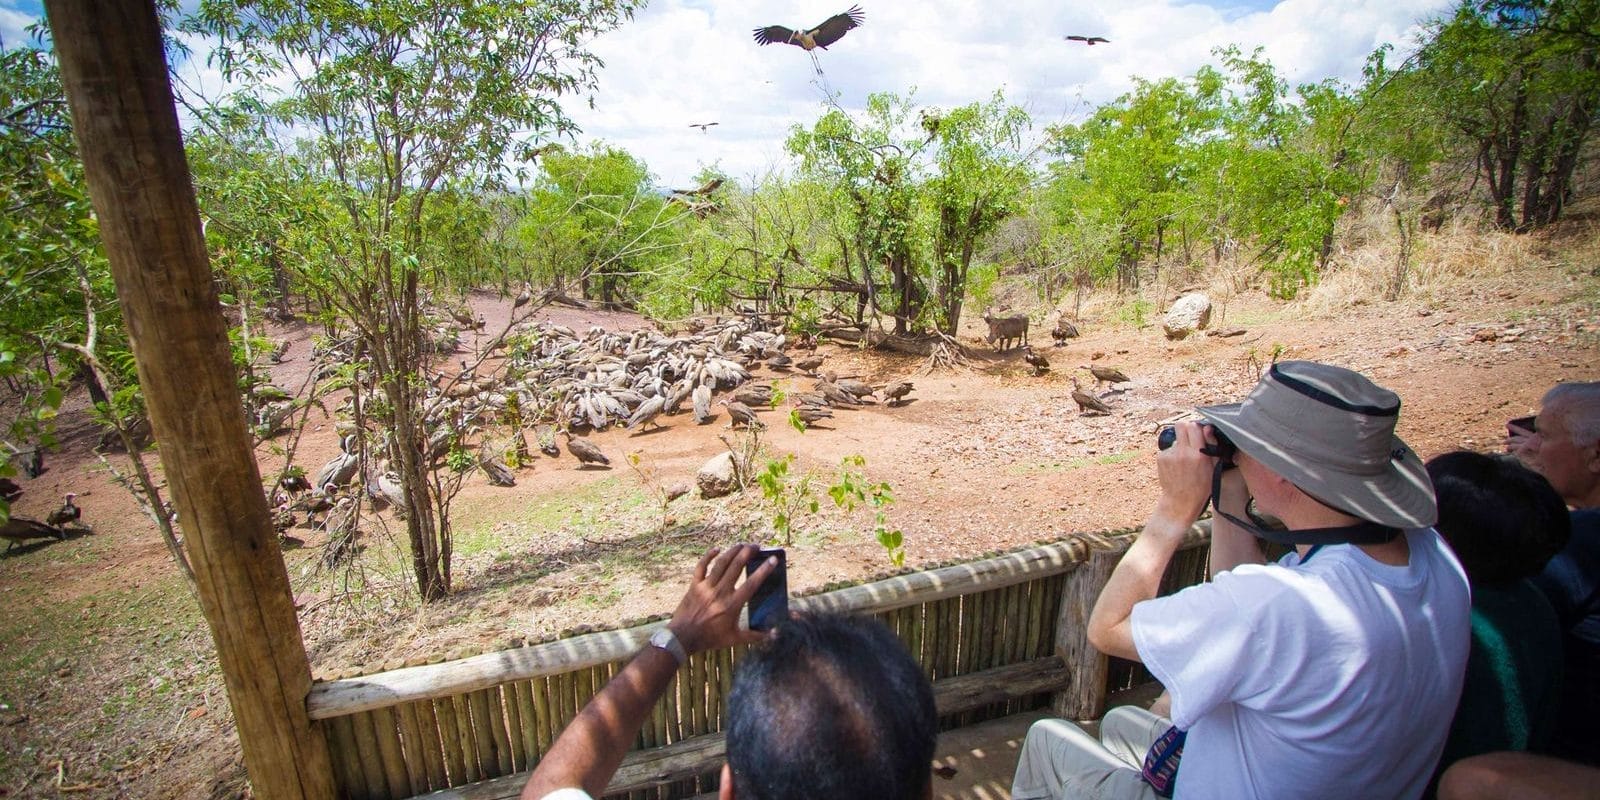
(665, 640)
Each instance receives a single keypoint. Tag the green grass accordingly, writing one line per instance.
(610, 502)
(158, 626)
(1068, 466)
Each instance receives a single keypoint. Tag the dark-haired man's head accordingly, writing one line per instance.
(1503, 520)
(833, 706)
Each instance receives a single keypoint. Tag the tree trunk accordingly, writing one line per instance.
(902, 288)
(1564, 139)
(1502, 152)
(115, 75)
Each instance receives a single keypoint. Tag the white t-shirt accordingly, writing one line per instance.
(1333, 679)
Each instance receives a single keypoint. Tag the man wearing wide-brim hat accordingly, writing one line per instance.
(1334, 672)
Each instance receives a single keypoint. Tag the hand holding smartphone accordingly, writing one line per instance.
(769, 606)
(1520, 433)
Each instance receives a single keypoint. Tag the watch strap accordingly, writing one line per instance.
(665, 639)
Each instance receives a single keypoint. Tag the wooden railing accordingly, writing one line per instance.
(996, 636)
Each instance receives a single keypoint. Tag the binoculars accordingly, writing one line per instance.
(1223, 448)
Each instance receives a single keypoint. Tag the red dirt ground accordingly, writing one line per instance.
(982, 460)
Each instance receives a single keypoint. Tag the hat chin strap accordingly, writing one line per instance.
(1363, 532)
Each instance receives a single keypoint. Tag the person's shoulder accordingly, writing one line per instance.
(1252, 584)
(1586, 521)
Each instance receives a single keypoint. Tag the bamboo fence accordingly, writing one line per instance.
(995, 636)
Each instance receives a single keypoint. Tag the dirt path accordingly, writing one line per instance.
(110, 674)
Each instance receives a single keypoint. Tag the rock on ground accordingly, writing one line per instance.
(1190, 313)
(716, 478)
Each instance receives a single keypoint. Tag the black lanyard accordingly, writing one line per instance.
(1359, 533)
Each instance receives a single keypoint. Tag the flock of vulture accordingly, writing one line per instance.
(552, 381)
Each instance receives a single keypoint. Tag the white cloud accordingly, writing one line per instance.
(14, 22)
(684, 61)
(689, 61)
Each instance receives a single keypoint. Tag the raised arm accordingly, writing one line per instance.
(1185, 475)
(588, 752)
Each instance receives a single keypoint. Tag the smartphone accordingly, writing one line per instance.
(1529, 424)
(769, 606)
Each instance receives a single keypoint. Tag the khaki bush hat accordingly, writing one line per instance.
(1330, 432)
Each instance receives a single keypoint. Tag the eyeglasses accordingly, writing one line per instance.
(1529, 424)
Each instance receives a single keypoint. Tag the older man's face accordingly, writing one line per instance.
(1574, 470)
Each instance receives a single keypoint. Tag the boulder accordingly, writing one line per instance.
(717, 477)
(1191, 312)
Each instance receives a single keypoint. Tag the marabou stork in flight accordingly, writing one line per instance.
(821, 36)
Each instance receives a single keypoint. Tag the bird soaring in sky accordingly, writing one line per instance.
(821, 36)
(703, 126)
(1089, 40)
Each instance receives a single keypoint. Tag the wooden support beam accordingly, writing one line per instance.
(1084, 697)
(117, 87)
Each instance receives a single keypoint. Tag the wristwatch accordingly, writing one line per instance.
(666, 640)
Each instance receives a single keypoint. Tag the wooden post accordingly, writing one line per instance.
(115, 76)
(1085, 694)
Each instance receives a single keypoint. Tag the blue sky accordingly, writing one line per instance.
(687, 61)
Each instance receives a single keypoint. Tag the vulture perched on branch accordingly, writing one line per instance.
(821, 36)
(709, 187)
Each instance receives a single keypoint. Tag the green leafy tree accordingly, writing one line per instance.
(867, 170)
(1130, 168)
(1519, 82)
(389, 104)
(51, 246)
(979, 174)
(596, 221)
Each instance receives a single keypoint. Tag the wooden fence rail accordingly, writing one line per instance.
(995, 636)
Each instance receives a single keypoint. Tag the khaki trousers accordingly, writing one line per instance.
(1061, 762)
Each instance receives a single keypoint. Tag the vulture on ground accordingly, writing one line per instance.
(1086, 401)
(1110, 375)
(1040, 364)
(741, 414)
(66, 514)
(18, 530)
(645, 415)
(895, 393)
(702, 404)
(499, 474)
(586, 452)
(810, 415)
(1064, 330)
